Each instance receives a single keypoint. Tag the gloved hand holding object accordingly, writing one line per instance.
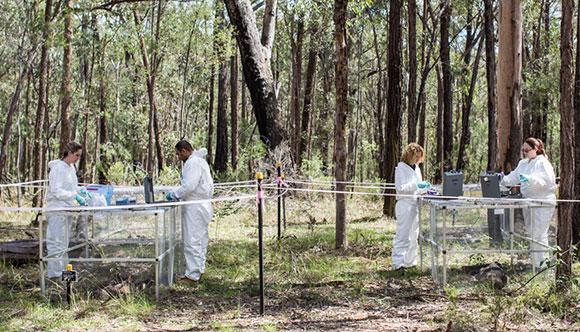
(524, 178)
(423, 185)
(170, 196)
(81, 200)
(84, 192)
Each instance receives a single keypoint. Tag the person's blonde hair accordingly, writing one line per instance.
(413, 153)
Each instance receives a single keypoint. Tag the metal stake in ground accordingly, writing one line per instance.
(279, 182)
(259, 201)
(69, 276)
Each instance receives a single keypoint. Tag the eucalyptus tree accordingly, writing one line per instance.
(257, 70)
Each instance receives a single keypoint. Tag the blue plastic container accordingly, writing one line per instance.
(103, 189)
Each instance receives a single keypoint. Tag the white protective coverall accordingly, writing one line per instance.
(196, 183)
(541, 185)
(407, 214)
(62, 189)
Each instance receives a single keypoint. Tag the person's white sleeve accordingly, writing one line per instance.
(406, 185)
(189, 180)
(513, 178)
(543, 178)
(56, 177)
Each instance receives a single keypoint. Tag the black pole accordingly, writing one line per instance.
(259, 196)
(279, 181)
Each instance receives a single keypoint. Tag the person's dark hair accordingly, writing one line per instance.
(70, 147)
(183, 145)
(537, 144)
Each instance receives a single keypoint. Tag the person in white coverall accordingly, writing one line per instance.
(536, 178)
(408, 182)
(196, 184)
(63, 191)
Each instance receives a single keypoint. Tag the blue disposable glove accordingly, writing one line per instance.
(81, 200)
(524, 178)
(423, 185)
(170, 197)
(84, 192)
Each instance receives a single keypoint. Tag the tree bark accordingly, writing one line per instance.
(565, 210)
(466, 111)
(257, 72)
(210, 116)
(509, 82)
(234, 109)
(12, 109)
(323, 128)
(150, 73)
(393, 116)
(411, 110)
(296, 83)
(66, 89)
(309, 87)
(491, 84)
(440, 125)
(101, 171)
(221, 148)
(268, 27)
(576, 216)
(379, 133)
(447, 86)
(341, 73)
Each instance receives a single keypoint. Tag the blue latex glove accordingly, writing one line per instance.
(170, 197)
(423, 185)
(524, 178)
(84, 192)
(81, 200)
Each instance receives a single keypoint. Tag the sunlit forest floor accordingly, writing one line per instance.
(309, 285)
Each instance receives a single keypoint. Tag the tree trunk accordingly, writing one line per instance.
(12, 109)
(102, 178)
(257, 72)
(393, 116)
(66, 89)
(184, 85)
(268, 27)
(379, 133)
(150, 73)
(565, 210)
(491, 84)
(323, 129)
(576, 216)
(466, 111)
(509, 81)
(440, 125)
(447, 86)
(221, 148)
(153, 70)
(296, 83)
(309, 87)
(339, 158)
(412, 113)
(234, 109)
(210, 116)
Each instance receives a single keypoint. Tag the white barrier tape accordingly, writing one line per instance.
(331, 182)
(464, 198)
(20, 184)
(124, 207)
